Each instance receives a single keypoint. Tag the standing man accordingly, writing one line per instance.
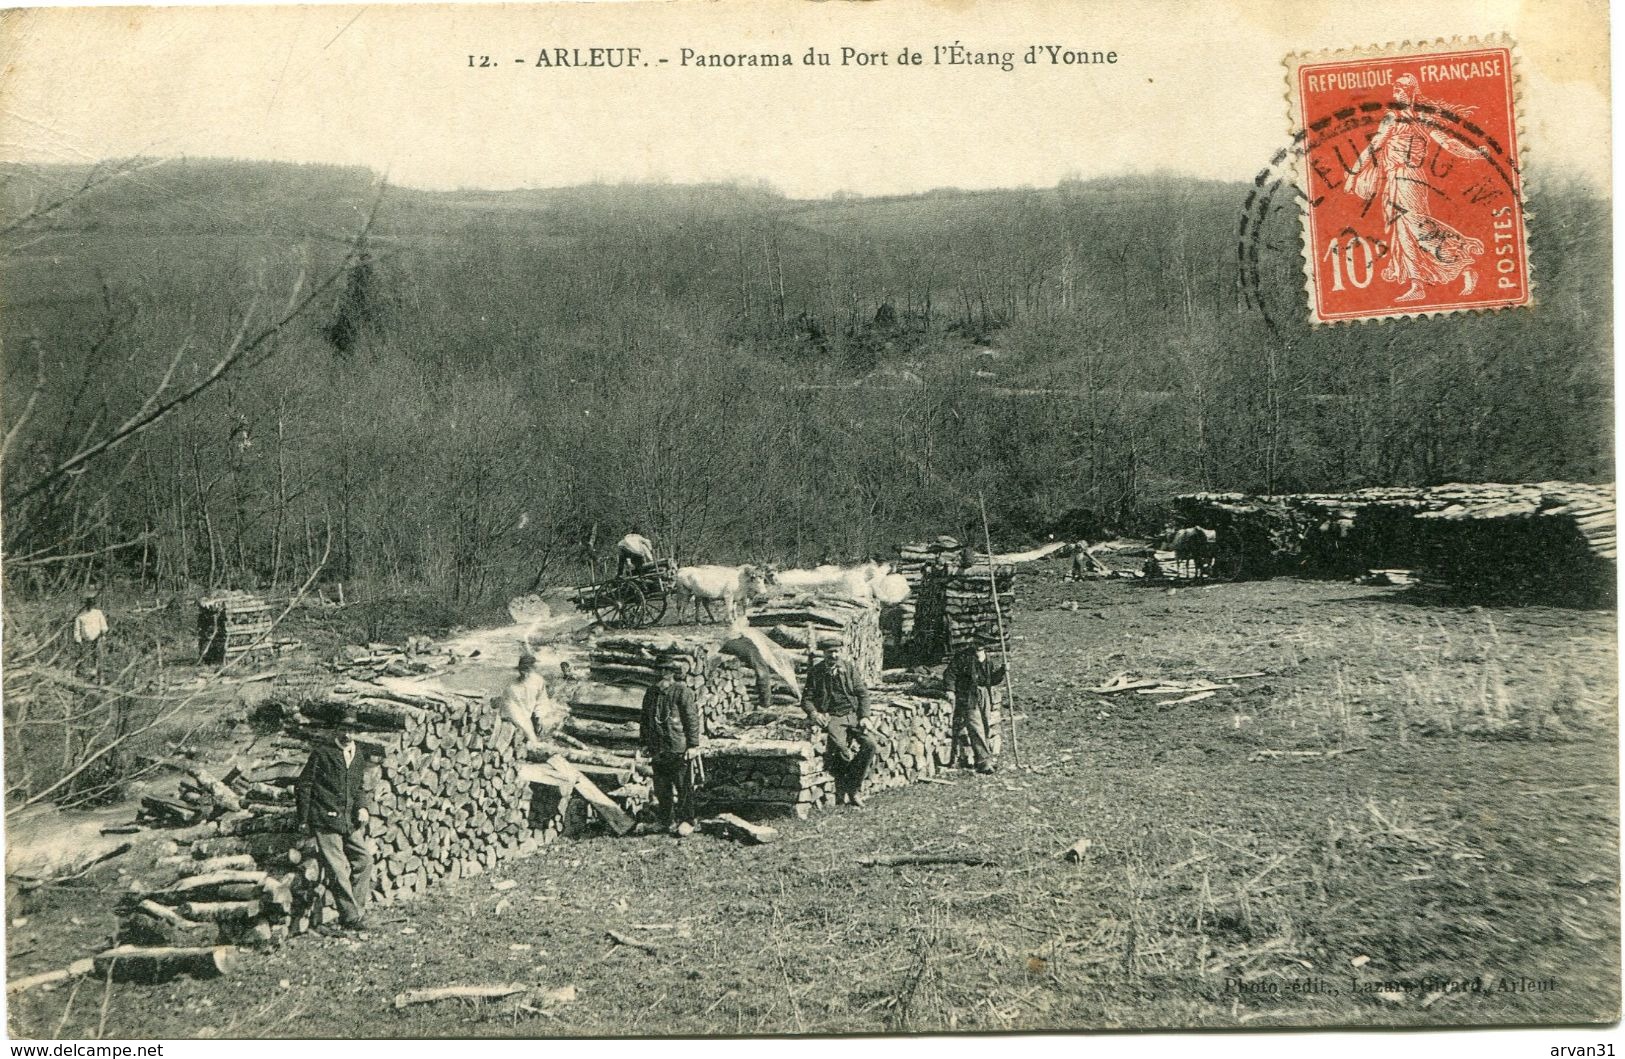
(973, 676)
(332, 807)
(636, 551)
(671, 736)
(90, 633)
(835, 689)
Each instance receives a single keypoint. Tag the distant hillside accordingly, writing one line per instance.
(743, 371)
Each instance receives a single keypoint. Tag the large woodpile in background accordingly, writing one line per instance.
(912, 561)
(1547, 539)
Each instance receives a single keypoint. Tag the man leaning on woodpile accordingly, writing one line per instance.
(332, 807)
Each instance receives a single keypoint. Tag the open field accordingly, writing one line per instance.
(1472, 833)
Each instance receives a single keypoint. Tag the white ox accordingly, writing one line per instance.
(833, 582)
(705, 585)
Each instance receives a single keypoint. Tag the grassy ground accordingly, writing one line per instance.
(1472, 835)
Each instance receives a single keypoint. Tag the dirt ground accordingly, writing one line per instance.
(1456, 863)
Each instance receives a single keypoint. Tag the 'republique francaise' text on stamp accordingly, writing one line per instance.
(1413, 190)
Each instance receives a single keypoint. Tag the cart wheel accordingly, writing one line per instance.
(657, 608)
(606, 604)
(635, 610)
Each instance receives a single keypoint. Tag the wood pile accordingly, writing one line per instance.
(230, 624)
(763, 778)
(633, 661)
(1543, 538)
(855, 625)
(447, 796)
(956, 606)
(912, 561)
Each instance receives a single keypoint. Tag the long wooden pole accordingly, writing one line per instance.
(998, 617)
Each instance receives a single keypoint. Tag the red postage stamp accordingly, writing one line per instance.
(1412, 188)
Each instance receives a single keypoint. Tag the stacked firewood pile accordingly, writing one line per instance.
(634, 660)
(448, 796)
(231, 624)
(448, 802)
(760, 778)
(956, 606)
(912, 561)
(792, 623)
(1544, 537)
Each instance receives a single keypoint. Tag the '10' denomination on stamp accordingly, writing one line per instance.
(1413, 192)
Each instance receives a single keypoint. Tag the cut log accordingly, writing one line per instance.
(631, 943)
(924, 859)
(1077, 851)
(727, 825)
(457, 992)
(221, 911)
(128, 963)
(222, 794)
(611, 813)
(73, 970)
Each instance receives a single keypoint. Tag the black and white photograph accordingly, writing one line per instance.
(770, 519)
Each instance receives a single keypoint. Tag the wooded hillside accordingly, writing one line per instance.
(493, 383)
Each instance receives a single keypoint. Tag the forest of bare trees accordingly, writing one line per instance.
(217, 373)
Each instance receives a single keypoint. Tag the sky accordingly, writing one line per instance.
(391, 88)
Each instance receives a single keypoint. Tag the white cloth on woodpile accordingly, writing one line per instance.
(528, 705)
(89, 625)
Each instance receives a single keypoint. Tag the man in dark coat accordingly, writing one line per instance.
(332, 806)
(836, 690)
(671, 734)
(973, 676)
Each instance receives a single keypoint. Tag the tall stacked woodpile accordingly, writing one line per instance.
(957, 606)
(1548, 538)
(231, 624)
(912, 561)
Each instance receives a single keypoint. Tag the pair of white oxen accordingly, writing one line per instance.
(737, 586)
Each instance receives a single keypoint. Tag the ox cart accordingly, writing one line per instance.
(630, 601)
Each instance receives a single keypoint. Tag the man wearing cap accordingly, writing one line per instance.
(671, 735)
(332, 806)
(973, 676)
(835, 689)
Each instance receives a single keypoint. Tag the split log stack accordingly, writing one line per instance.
(765, 778)
(1546, 539)
(912, 561)
(853, 624)
(956, 606)
(231, 624)
(633, 660)
(449, 799)
(448, 802)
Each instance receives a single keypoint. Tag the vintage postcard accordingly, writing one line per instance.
(755, 519)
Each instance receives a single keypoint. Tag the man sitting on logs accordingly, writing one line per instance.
(332, 807)
(527, 703)
(671, 735)
(973, 676)
(636, 552)
(837, 700)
